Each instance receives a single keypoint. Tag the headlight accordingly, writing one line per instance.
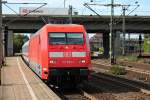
(52, 61)
(82, 61)
(45, 69)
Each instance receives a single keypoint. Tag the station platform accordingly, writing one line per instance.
(20, 83)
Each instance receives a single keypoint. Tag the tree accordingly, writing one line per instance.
(147, 36)
(147, 43)
(19, 40)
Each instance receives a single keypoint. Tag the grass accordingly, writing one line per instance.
(147, 61)
(117, 70)
(128, 58)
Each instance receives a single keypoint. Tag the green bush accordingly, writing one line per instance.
(101, 50)
(132, 58)
(146, 43)
(147, 61)
(117, 70)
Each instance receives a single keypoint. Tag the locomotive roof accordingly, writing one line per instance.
(63, 25)
(56, 25)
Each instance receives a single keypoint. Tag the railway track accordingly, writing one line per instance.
(77, 94)
(99, 88)
(141, 86)
(74, 94)
(141, 74)
(113, 82)
(136, 67)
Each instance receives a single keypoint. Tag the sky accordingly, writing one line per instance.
(143, 9)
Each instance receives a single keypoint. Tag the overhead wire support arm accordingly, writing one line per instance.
(87, 6)
(114, 5)
(35, 9)
(25, 3)
(10, 8)
(107, 5)
(119, 19)
(5, 3)
(133, 10)
(43, 4)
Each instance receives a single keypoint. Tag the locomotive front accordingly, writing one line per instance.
(68, 55)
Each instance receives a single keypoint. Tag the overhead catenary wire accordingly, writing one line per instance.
(133, 10)
(46, 19)
(120, 20)
(11, 9)
(43, 4)
(43, 19)
(87, 6)
(115, 5)
(24, 3)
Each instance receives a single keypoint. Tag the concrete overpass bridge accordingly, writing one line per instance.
(92, 23)
(30, 24)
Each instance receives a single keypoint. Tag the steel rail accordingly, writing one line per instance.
(142, 86)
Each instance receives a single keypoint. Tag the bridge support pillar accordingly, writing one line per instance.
(9, 43)
(118, 42)
(106, 44)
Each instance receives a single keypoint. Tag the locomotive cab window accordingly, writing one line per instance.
(57, 38)
(75, 38)
(66, 38)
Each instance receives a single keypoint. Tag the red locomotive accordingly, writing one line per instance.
(59, 54)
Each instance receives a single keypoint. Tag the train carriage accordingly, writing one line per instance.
(25, 52)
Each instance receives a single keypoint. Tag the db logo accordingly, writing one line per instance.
(67, 54)
(25, 10)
